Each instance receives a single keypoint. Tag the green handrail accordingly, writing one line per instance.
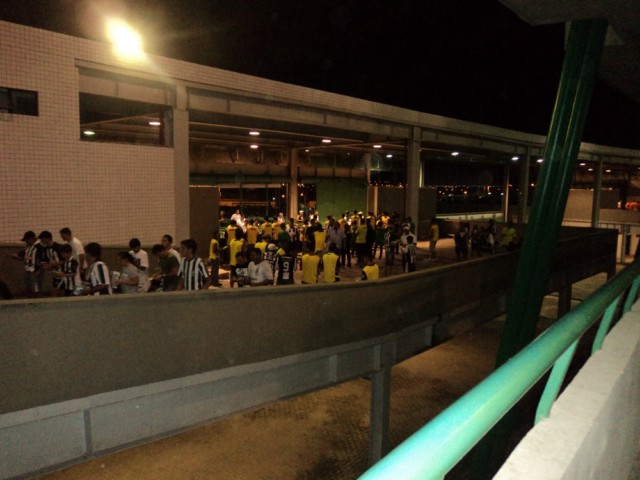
(436, 448)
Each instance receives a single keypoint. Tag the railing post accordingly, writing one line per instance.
(380, 401)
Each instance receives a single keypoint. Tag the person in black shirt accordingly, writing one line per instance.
(286, 267)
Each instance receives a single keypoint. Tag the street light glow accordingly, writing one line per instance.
(126, 41)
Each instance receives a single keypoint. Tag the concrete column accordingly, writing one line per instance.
(564, 300)
(523, 196)
(412, 195)
(293, 183)
(380, 402)
(181, 164)
(505, 191)
(597, 193)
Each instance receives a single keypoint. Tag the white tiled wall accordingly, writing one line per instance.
(50, 179)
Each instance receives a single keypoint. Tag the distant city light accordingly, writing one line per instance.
(455, 154)
(89, 133)
(389, 155)
(255, 133)
(126, 41)
(377, 146)
(155, 123)
(515, 159)
(326, 140)
(582, 164)
(540, 160)
(254, 146)
(608, 170)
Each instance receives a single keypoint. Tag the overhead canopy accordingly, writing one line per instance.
(620, 63)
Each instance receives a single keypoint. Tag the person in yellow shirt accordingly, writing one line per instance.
(370, 271)
(320, 237)
(236, 245)
(252, 234)
(310, 264)
(361, 243)
(434, 236)
(331, 265)
(214, 259)
(267, 229)
(261, 244)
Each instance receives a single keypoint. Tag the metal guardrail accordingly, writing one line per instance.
(437, 447)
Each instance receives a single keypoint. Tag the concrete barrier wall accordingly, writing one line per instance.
(593, 431)
(84, 376)
(60, 349)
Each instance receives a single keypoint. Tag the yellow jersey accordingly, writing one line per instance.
(330, 263)
(310, 268)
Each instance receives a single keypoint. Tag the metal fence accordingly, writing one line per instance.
(438, 446)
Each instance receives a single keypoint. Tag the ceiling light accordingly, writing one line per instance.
(89, 133)
(255, 133)
(582, 164)
(155, 123)
(326, 140)
(455, 154)
(515, 159)
(591, 169)
(389, 155)
(540, 160)
(377, 146)
(608, 170)
(254, 146)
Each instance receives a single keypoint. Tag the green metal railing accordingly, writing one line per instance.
(438, 446)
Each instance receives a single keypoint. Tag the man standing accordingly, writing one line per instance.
(434, 236)
(78, 250)
(260, 272)
(214, 259)
(98, 277)
(142, 264)
(28, 256)
(193, 273)
(167, 279)
(49, 258)
(167, 243)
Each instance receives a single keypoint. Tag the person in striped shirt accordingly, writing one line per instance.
(193, 272)
(68, 271)
(28, 256)
(98, 276)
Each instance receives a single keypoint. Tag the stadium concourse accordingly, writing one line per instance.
(322, 435)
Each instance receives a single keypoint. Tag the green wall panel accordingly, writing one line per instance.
(337, 195)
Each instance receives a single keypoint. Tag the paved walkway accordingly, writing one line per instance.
(322, 435)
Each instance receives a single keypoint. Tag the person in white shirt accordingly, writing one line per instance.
(78, 250)
(260, 272)
(141, 262)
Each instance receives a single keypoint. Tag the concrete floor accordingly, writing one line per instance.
(322, 435)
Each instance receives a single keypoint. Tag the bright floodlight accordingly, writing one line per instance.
(126, 41)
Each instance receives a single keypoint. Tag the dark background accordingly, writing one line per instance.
(468, 59)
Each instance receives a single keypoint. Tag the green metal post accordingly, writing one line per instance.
(584, 47)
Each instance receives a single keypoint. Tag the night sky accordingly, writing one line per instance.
(468, 59)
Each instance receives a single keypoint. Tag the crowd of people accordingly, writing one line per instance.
(306, 243)
(256, 252)
(479, 240)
